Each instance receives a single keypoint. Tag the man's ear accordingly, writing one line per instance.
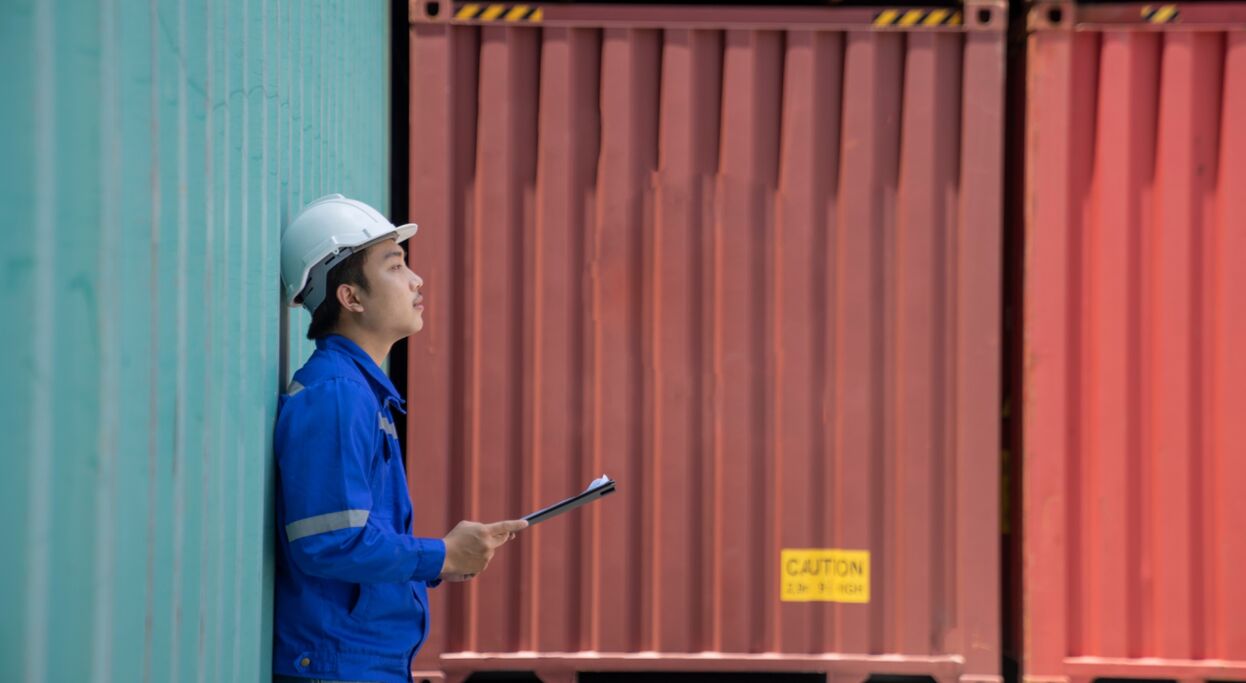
(348, 298)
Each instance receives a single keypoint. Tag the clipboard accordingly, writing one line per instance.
(597, 489)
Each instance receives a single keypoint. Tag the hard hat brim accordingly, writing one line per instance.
(405, 232)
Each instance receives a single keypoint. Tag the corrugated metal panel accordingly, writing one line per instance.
(1135, 481)
(751, 274)
(152, 152)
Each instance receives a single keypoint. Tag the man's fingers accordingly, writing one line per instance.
(507, 528)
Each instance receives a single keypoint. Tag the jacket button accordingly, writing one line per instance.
(306, 662)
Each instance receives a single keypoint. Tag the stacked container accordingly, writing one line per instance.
(746, 262)
(1135, 420)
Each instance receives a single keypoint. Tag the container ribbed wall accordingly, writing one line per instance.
(753, 275)
(1135, 325)
(152, 152)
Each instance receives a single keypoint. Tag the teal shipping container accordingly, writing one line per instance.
(152, 152)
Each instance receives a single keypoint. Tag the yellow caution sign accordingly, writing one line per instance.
(824, 575)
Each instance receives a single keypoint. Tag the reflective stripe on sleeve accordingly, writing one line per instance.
(322, 524)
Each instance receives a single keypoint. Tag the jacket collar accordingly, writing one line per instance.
(385, 388)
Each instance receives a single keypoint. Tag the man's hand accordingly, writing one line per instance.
(470, 546)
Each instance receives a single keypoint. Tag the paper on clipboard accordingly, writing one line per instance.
(602, 486)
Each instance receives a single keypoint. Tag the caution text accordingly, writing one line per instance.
(826, 575)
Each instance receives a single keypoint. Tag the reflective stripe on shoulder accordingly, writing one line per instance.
(387, 426)
(295, 388)
(323, 524)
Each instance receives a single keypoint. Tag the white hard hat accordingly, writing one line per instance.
(321, 236)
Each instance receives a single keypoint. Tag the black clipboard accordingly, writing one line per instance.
(599, 488)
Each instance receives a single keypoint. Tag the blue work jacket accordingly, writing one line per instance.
(351, 580)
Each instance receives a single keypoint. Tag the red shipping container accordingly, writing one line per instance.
(1135, 325)
(747, 262)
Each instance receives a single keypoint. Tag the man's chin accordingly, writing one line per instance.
(409, 330)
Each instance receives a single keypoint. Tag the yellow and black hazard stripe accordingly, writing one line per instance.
(499, 12)
(907, 18)
(1160, 14)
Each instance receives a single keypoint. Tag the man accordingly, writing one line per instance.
(351, 579)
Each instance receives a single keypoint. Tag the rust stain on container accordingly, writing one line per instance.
(1135, 484)
(751, 274)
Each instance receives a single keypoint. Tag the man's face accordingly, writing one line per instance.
(393, 305)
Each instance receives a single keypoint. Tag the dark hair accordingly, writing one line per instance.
(348, 272)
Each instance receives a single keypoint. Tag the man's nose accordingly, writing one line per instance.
(416, 281)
